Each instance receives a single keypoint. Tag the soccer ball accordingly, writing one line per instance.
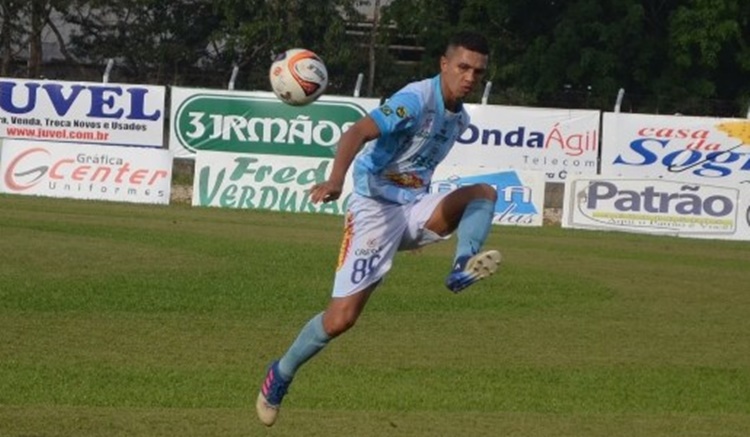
(298, 76)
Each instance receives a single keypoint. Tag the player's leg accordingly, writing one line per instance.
(468, 211)
(371, 237)
(339, 316)
(473, 202)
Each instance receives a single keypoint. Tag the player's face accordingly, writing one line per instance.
(461, 70)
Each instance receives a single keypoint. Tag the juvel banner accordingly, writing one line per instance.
(82, 112)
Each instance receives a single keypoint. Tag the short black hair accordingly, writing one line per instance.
(476, 42)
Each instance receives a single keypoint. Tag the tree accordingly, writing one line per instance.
(23, 24)
(704, 36)
(151, 40)
(255, 31)
(10, 33)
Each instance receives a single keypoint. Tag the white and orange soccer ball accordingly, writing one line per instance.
(298, 76)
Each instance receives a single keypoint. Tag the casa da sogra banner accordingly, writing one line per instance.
(700, 150)
(82, 112)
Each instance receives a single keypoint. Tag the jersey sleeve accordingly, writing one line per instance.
(398, 113)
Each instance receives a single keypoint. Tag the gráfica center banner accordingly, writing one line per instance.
(258, 122)
(82, 112)
(86, 171)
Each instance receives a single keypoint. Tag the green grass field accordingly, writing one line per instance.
(126, 320)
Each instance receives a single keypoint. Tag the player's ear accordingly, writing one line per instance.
(443, 63)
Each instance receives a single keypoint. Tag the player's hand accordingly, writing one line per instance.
(325, 192)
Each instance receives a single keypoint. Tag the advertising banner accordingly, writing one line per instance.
(744, 222)
(657, 206)
(82, 112)
(558, 142)
(256, 181)
(258, 122)
(520, 194)
(690, 149)
(124, 174)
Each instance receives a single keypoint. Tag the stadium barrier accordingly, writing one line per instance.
(512, 148)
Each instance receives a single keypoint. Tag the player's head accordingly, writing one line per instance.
(463, 64)
(472, 41)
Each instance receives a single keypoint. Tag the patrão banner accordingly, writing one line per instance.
(656, 206)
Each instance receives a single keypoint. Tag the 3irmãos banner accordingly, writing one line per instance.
(558, 142)
(82, 112)
(126, 174)
(690, 149)
(656, 206)
(256, 181)
(520, 194)
(258, 122)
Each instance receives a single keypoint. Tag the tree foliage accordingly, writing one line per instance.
(669, 55)
(254, 31)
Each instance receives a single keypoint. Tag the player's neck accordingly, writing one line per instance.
(452, 105)
(450, 102)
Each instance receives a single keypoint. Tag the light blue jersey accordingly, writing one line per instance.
(416, 133)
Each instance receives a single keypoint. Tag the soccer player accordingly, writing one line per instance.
(391, 209)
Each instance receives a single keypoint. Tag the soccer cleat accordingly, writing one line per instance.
(470, 269)
(271, 394)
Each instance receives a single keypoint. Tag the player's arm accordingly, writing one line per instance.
(349, 145)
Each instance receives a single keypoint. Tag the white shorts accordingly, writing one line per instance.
(374, 230)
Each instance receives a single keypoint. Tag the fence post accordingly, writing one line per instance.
(486, 94)
(233, 78)
(358, 85)
(107, 70)
(618, 102)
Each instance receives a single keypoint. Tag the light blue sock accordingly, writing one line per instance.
(474, 226)
(311, 340)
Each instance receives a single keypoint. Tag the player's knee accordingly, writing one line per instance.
(486, 191)
(338, 322)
